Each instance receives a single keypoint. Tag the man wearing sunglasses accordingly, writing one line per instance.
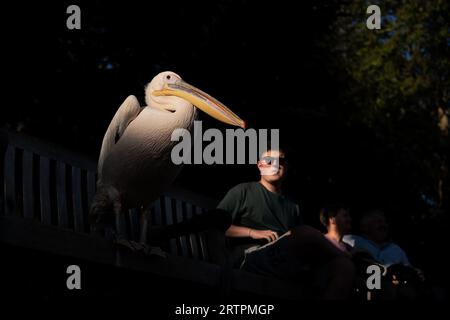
(268, 238)
(259, 210)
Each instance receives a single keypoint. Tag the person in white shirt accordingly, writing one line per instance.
(375, 241)
(402, 281)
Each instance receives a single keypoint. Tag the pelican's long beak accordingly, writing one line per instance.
(201, 100)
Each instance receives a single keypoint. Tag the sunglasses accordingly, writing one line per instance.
(271, 160)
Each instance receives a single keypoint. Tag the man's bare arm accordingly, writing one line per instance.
(235, 231)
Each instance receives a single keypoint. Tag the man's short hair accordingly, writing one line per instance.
(281, 150)
(330, 211)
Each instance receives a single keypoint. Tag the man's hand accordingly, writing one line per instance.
(269, 235)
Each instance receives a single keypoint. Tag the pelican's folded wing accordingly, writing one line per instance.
(127, 112)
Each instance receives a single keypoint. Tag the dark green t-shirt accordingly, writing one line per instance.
(252, 205)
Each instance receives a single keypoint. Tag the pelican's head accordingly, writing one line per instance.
(168, 91)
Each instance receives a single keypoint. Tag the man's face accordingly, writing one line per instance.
(272, 166)
(343, 221)
(378, 228)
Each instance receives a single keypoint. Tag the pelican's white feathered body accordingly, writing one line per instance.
(135, 164)
(139, 164)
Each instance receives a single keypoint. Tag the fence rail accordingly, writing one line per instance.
(55, 187)
(45, 195)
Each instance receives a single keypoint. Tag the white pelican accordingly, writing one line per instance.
(135, 166)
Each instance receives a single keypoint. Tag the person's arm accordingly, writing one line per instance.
(235, 231)
(405, 261)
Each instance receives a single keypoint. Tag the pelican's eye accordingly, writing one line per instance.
(170, 78)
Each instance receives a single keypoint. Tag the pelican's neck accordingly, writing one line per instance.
(185, 116)
(180, 113)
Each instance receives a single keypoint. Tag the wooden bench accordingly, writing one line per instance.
(44, 204)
